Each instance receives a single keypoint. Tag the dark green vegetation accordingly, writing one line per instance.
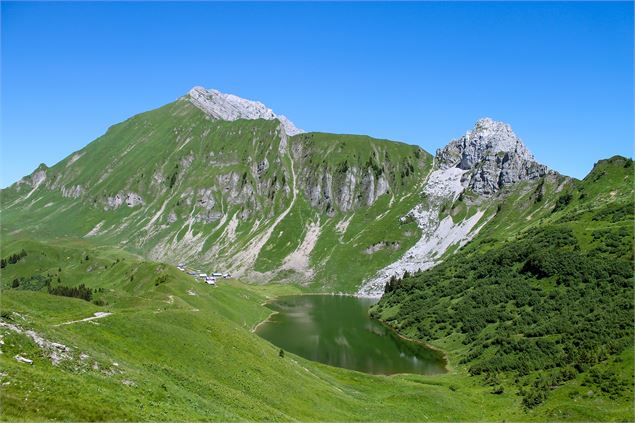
(548, 309)
(80, 291)
(337, 330)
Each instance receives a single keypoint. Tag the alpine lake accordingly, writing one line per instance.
(337, 330)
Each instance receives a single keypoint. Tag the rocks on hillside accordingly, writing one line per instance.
(131, 199)
(35, 179)
(230, 107)
(341, 189)
(493, 157)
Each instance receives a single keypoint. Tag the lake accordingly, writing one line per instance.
(337, 330)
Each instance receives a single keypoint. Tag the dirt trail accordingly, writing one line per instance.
(98, 315)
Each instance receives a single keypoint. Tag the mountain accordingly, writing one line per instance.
(470, 179)
(492, 157)
(213, 178)
(230, 107)
(523, 277)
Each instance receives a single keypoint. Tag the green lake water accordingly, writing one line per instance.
(337, 330)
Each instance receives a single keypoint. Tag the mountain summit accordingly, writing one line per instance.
(492, 156)
(230, 107)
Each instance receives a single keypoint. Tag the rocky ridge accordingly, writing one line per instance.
(230, 107)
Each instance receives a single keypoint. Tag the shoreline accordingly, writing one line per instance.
(446, 359)
(267, 319)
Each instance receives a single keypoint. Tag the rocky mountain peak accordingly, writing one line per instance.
(486, 138)
(229, 107)
(492, 156)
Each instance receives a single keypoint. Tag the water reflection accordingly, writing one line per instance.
(336, 330)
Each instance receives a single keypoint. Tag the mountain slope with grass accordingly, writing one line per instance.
(231, 188)
(213, 179)
(152, 343)
(543, 311)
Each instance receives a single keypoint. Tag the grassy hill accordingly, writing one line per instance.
(544, 313)
(175, 349)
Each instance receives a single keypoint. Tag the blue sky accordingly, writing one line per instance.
(560, 73)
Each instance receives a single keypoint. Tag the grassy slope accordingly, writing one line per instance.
(598, 212)
(184, 357)
(206, 364)
(127, 158)
(169, 155)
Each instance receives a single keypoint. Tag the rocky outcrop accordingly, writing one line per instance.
(38, 177)
(35, 179)
(380, 246)
(206, 198)
(131, 199)
(237, 189)
(230, 107)
(484, 160)
(343, 190)
(73, 191)
(492, 156)
(331, 183)
(55, 351)
(208, 217)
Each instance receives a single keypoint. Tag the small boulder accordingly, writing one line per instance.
(23, 359)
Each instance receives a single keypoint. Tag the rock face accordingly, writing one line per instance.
(332, 181)
(230, 107)
(342, 190)
(493, 157)
(72, 192)
(484, 160)
(437, 233)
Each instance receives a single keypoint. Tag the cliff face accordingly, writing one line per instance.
(492, 156)
(347, 172)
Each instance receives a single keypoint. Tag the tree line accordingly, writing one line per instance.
(12, 259)
(80, 291)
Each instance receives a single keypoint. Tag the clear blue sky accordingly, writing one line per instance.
(560, 73)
